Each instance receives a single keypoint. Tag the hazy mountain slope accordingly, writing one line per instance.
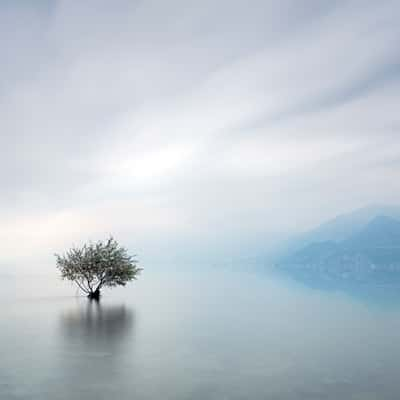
(338, 229)
(375, 249)
(344, 226)
(382, 231)
(379, 240)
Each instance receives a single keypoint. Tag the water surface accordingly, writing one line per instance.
(196, 335)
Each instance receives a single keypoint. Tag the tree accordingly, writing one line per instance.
(98, 265)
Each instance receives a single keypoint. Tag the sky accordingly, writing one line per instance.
(192, 127)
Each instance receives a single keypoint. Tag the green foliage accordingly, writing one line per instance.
(97, 265)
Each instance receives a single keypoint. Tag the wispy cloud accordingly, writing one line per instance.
(161, 120)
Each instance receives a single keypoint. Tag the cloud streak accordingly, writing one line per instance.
(160, 121)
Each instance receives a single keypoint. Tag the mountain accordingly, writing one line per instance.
(338, 229)
(346, 225)
(371, 252)
(382, 231)
(379, 240)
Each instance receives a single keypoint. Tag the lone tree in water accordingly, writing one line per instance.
(98, 265)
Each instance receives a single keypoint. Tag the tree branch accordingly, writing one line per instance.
(81, 287)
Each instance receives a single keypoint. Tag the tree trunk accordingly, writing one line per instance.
(94, 295)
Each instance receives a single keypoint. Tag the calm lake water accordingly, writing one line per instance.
(197, 335)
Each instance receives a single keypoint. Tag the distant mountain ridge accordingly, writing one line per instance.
(381, 231)
(346, 225)
(337, 229)
(367, 249)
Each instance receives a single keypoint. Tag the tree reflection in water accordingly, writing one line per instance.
(96, 342)
(96, 324)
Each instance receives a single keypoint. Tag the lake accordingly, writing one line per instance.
(210, 334)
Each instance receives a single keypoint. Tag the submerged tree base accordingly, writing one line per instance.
(94, 295)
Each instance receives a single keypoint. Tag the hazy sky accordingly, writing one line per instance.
(192, 122)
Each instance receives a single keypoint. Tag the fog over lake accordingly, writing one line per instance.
(243, 156)
(210, 334)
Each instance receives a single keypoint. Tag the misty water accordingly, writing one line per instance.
(209, 334)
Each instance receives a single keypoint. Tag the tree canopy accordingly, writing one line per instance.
(98, 265)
